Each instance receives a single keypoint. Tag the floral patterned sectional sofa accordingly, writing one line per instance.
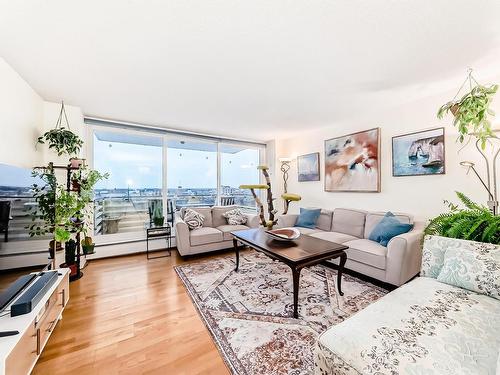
(445, 322)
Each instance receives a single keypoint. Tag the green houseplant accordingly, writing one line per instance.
(473, 222)
(43, 215)
(156, 212)
(88, 245)
(472, 111)
(62, 141)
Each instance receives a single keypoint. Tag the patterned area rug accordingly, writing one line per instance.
(249, 312)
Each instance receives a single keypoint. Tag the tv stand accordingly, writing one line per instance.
(19, 353)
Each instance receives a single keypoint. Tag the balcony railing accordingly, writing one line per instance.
(129, 214)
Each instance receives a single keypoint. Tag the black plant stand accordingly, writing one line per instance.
(158, 231)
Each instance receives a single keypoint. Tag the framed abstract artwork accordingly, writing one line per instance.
(419, 154)
(308, 167)
(352, 162)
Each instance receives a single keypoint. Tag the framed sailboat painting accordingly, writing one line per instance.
(419, 154)
(308, 167)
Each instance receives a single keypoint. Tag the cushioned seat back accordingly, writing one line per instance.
(349, 221)
(217, 218)
(373, 218)
(325, 220)
(205, 211)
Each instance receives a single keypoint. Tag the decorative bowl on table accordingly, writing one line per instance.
(284, 234)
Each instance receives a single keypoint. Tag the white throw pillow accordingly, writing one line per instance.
(235, 217)
(478, 270)
(193, 219)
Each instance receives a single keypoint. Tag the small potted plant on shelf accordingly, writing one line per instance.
(155, 209)
(88, 245)
(158, 218)
(472, 111)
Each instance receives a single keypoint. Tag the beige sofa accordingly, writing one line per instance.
(395, 264)
(215, 234)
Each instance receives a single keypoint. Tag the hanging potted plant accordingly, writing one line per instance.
(472, 111)
(61, 139)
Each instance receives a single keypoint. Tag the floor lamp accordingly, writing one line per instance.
(491, 172)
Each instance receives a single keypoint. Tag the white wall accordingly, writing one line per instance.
(21, 118)
(24, 116)
(420, 195)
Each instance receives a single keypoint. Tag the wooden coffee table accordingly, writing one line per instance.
(303, 252)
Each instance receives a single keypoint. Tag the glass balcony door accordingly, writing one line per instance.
(191, 172)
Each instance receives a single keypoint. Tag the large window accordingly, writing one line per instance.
(238, 166)
(191, 173)
(134, 164)
(146, 169)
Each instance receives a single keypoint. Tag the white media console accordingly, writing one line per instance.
(19, 353)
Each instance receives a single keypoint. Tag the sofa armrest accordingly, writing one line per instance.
(253, 220)
(404, 255)
(182, 236)
(288, 220)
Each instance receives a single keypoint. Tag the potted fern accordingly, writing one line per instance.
(472, 111)
(473, 222)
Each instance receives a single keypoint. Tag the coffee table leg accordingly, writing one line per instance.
(343, 259)
(237, 250)
(296, 282)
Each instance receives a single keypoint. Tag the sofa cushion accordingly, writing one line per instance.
(308, 231)
(478, 271)
(373, 218)
(349, 221)
(387, 228)
(308, 217)
(205, 211)
(367, 252)
(423, 327)
(227, 229)
(218, 212)
(334, 236)
(205, 235)
(325, 220)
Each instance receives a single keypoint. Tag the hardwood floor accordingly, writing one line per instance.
(128, 315)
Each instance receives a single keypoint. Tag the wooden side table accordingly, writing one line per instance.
(155, 232)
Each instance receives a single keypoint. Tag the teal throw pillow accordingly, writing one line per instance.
(387, 228)
(308, 218)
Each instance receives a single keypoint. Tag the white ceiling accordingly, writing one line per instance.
(251, 69)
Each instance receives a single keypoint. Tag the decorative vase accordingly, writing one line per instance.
(76, 162)
(75, 185)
